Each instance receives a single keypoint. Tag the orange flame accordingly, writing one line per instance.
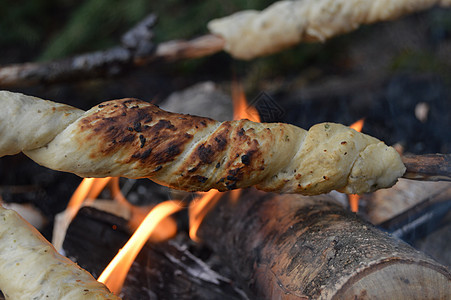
(358, 125)
(116, 192)
(80, 194)
(199, 209)
(354, 198)
(354, 202)
(241, 109)
(234, 195)
(114, 274)
(97, 187)
(88, 190)
(165, 230)
(156, 225)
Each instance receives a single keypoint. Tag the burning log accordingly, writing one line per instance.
(167, 270)
(135, 139)
(30, 268)
(294, 247)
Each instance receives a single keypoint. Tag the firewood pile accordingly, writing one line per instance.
(281, 229)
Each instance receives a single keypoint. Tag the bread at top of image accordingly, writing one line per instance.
(251, 33)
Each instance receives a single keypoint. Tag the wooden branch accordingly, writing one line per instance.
(429, 167)
(136, 49)
(294, 247)
(106, 63)
(202, 46)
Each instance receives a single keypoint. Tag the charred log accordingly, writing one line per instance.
(166, 270)
(294, 247)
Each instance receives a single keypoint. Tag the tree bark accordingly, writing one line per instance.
(295, 247)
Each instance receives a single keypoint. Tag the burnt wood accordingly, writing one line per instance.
(295, 247)
(168, 270)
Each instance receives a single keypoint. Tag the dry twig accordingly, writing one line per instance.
(136, 49)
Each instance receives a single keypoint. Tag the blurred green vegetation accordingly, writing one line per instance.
(24, 22)
(61, 28)
(416, 61)
(41, 30)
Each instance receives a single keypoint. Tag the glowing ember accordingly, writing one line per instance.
(114, 274)
(354, 198)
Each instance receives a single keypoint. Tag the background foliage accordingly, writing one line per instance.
(42, 30)
(56, 29)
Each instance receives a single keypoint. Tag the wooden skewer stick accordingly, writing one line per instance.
(105, 63)
(428, 167)
(136, 49)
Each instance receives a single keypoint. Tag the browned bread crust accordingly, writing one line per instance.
(135, 139)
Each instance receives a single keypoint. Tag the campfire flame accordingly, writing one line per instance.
(234, 195)
(358, 125)
(199, 208)
(114, 274)
(156, 224)
(354, 198)
(354, 202)
(164, 231)
(241, 109)
(88, 190)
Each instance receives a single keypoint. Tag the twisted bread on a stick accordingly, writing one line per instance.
(132, 138)
(251, 33)
(30, 268)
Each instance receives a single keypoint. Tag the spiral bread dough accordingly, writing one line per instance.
(30, 268)
(135, 139)
(249, 34)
